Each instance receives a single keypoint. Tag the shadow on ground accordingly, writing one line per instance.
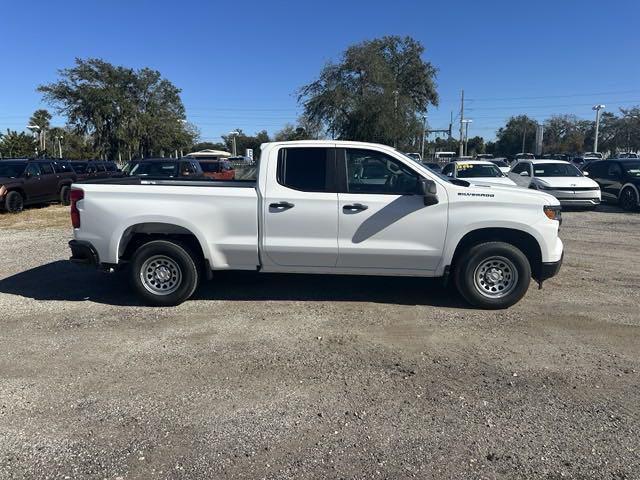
(63, 280)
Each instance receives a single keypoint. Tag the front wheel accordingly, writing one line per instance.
(493, 275)
(628, 199)
(164, 273)
(13, 202)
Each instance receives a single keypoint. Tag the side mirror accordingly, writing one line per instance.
(524, 174)
(429, 191)
(585, 173)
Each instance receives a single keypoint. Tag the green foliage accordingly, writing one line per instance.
(127, 112)
(377, 93)
(14, 144)
(41, 118)
(475, 145)
(208, 146)
(509, 137)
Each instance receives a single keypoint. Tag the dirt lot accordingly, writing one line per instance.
(319, 377)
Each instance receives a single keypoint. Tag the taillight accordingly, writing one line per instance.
(76, 194)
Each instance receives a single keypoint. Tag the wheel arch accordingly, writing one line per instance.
(633, 186)
(522, 240)
(138, 234)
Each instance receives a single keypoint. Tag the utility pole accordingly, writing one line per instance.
(597, 108)
(524, 136)
(461, 151)
(424, 134)
(466, 135)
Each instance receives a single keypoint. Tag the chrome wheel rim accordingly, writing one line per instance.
(495, 277)
(161, 275)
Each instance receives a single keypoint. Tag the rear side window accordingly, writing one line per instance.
(304, 169)
(46, 169)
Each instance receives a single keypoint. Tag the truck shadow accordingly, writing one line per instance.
(63, 281)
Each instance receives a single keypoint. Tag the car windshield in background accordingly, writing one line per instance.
(79, 167)
(11, 170)
(155, 169)
(471, 170)
(632, 168)
(500, 163)
(556, 170)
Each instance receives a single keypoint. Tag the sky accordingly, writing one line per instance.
(239, 64)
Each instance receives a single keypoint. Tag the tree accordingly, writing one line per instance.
(509, 138)
(378, 92)
(127, 112)
(209, 146)
(475, 145)
(41, 118)
(564, 134)
(14, 144)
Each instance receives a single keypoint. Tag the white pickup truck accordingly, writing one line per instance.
(322, 207)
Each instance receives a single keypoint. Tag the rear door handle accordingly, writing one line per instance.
(281, 205)
(356, 207)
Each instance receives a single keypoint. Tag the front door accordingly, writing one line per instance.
(383, 222)
(48, 181)
(32, 183)
(301, 209)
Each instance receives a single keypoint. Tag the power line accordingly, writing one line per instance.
(542, 97)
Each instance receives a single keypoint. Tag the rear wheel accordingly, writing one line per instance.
(493, 275)
(65, 193)
(629, 199)
(13, 202)
(164, 272)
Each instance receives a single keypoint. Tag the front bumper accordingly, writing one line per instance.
(579, 202)
(83, 253)
(549, 269)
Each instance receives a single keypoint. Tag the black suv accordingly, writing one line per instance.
(27, 181)
(619, 181)
(89, 169)
(165, 168)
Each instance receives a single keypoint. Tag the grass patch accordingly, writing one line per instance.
(34, 217)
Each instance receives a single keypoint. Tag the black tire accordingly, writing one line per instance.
(629, 199)
(65, 193)
(502, 261)
(13, 202)
(168, 266)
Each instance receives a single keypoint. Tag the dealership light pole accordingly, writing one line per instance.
(466, 121)
(424, 134)
(36, 130)
(597, 108)
(233, 135)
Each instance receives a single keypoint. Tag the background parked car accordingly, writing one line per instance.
(558, 178)
(217, 169)
(90, 169)
(476, 171)
(29, 181)
(501, 163)
(165, 168)
(433, 166)
(619, 181)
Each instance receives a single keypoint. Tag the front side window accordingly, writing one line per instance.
(304, 169)
(369, 171)
(32, 170)
(448, 170)
(521, 167)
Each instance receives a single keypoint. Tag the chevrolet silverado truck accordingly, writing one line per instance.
(320, 207)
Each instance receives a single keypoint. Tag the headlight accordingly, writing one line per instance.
(553, 212)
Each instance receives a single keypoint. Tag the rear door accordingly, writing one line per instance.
(383, 223)
(48, 181)
(300, 209)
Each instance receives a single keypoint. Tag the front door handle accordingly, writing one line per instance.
(356, 207)
(281, 205)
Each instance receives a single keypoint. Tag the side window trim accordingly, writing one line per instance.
(330, 175)
(342, 180)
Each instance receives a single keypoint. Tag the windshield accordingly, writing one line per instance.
(500, 163)
(154, 169)
(477, 170)
(632, 168)
(11, 170)
(555, 170)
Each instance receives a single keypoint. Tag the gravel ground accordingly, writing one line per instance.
(290, 377)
